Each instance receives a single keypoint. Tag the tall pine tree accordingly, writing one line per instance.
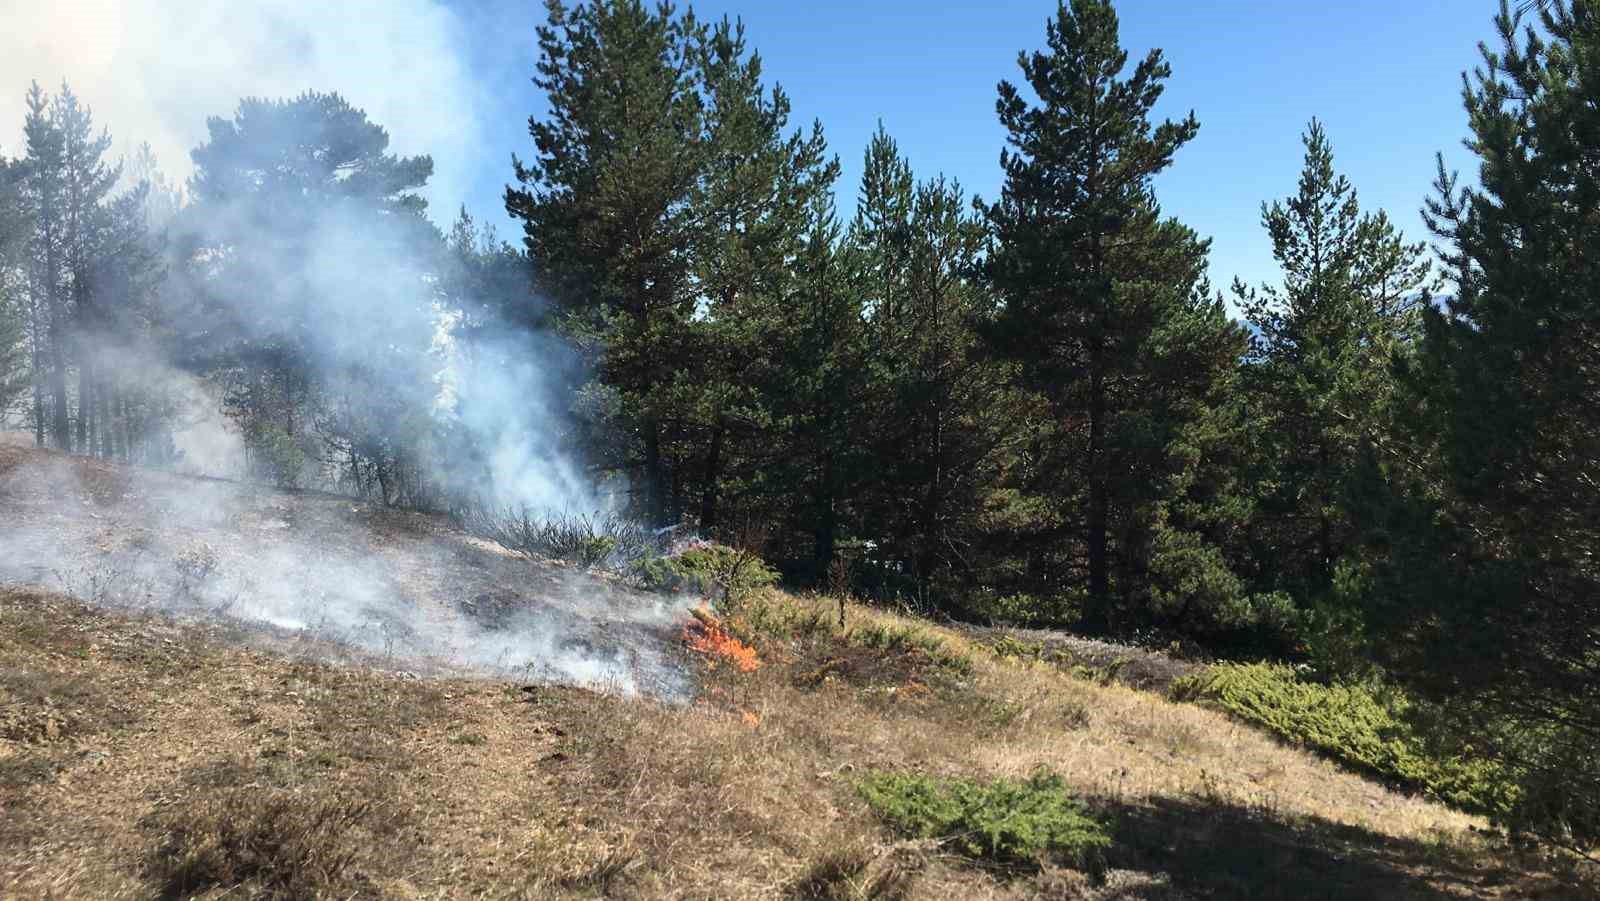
(1319, 381)
(1490, 598)
(818, 389)
(87, 181)
(755, 200)
(309, 249)
(943, 410)
(607, 216)
(13, 302)
(48, 309)
(1091, 276)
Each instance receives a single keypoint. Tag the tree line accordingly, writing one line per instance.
(1032, 408)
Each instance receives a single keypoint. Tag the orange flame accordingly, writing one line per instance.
(707, 636)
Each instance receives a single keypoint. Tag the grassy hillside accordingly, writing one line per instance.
(138, 756)
(162, 734)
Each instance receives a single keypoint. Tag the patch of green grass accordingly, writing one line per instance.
(761, 617)
(1364, 727)
(1005, 822)
(901, 639)
(1006, 647)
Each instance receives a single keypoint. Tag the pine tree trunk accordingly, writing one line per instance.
(1097, 616)
(85, 405)
(825, 534)
(1324, 527)
(932, 504)
(708, 494)
(60, 426)
(655, 487)
(49, 337)
(107, 393)
(126, 422)
(38, 384)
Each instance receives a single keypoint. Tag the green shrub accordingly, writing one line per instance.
(1025, 610)
(1368, 727)
(655, 572)
(702, 566)
(737, 571)
(1006, 822)
(1006, 646)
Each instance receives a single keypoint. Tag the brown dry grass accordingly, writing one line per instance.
(183, 765)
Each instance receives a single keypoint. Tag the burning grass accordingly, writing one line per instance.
(247, 773)
(402, 590)
(707, 636)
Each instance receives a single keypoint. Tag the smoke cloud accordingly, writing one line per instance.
(385, 347)
(153, 70)
(389, 587)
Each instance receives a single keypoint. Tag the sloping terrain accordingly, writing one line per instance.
(399, 586)
(155, 749)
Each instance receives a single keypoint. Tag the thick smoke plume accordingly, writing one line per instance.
(388, 347)
(389, 587)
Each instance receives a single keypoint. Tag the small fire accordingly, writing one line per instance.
(708, 637)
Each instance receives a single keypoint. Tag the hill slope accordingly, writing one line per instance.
(143, 753)
(403, 587)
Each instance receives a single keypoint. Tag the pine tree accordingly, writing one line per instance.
(1490, 600)
(13, 351)
(606, 210)
(47, 302)
(87, 271)
(87, 182)
(943, 409)
(1319, 377)
(1090, 275)
(818, 388)
(13, 303)
(754, 199)
(126, 272)
(307, 246)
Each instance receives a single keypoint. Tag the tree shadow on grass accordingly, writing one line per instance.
(1213, 850)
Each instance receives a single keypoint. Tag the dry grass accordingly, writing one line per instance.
(142, 757)
(271, 843)
(190, 766)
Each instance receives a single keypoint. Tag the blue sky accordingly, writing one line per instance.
(1383, 77)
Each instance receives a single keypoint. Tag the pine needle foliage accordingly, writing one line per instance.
(1006, 822)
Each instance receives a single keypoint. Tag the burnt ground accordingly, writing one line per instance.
(404, 588)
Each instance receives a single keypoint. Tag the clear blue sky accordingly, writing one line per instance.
(1384, 77)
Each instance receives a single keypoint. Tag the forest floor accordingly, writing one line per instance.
(150, 751)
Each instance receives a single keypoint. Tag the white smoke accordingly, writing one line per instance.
(153, 70)
(394, 588)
